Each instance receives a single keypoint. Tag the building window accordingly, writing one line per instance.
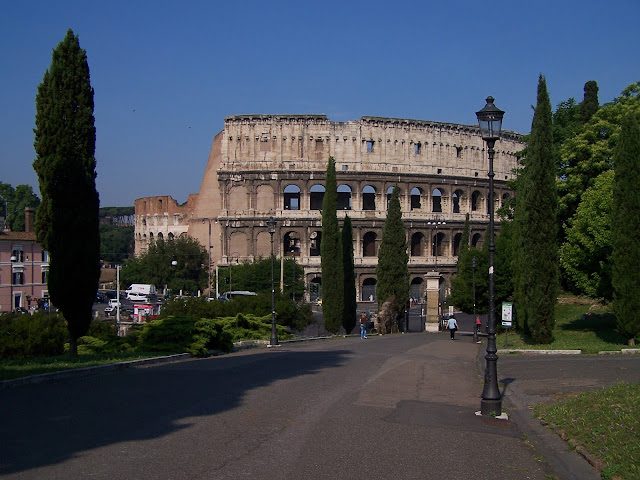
(344, 197)
(368, 198)
(436, 198)
(417, 147)
(18, 278)
(45, 256)
(370, 146)
(292, 197)
(416, 195)
(18, 254)
(316, 197)
(45, 276)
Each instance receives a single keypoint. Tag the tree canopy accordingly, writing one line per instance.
(15, 201)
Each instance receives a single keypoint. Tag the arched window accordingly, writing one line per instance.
(292, 197)
(368, 198)
(316, 196)
(344, 197)
(475, 201)
(417, 245)
(170, 236)
(369, 290)
(315, 240)
(476, 240)
(416, 197)
(160, 236)
(291, 243)
(457, 195)
(389, 193)
(437, 248)
(505, 198)
(456, 244)
(315, 288)
(436, 198)
(369, 244)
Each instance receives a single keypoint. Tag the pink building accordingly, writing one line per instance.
(24, 266)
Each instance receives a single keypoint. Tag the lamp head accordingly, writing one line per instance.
(490, 121)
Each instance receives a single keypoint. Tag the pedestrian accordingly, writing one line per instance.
(453, 326)
(363, 325)
(478, 325)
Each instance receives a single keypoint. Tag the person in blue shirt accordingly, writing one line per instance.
(453, 326)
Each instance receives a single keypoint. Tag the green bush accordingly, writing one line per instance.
(170, 334)
(26, 336)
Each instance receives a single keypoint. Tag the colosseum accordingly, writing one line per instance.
(274, 165)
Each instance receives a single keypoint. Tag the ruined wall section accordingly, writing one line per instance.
(160, 217)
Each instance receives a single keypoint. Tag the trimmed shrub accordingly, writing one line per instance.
(37, 335)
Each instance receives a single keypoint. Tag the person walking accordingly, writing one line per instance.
(453, 326)
(363, 325)
(478, 325)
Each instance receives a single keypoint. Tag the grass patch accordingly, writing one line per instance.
(605, 422)
(11, 369)
(589, 327)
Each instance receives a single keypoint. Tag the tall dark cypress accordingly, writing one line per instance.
(67, 219)
(331, 255)
(536, 261)
(590, 103)
(392, 270)
(625, 225)
(350, 300)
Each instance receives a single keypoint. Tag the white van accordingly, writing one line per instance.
(140, 291)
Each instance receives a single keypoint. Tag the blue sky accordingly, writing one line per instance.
(167, 73)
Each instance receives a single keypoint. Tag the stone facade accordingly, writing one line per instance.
(274, 165)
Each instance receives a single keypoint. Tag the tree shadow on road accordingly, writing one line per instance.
(45, 424)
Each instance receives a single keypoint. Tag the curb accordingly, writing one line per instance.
(82, 372)
(541, 352)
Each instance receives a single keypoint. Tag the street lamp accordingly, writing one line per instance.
(474, 264)
(490, 122)
(274, 333)
(435, 223)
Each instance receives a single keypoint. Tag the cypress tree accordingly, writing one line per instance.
(392, 270)
(462, 284)
(535, 219)
(331, 255)
(625, 225)
(67, 219)
(590, 103)
(350, 303)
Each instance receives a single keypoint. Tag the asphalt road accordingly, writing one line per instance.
(394, 406)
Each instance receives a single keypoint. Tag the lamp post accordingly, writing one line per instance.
(490, 123)
(435, 223)
(274, 333)
(474, 264)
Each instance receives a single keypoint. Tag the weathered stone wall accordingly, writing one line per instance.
(274, 165)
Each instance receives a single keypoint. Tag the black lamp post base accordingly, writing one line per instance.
(491, 407)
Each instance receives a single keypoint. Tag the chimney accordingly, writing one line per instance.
(29, 219)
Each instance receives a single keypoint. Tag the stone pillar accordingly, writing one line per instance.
(433, 302)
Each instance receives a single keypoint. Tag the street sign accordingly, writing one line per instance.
(507, 309)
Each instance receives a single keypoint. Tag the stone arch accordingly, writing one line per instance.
(369, 247)
(437, 248)
(344, 197)
(316, 196)
(315, 288)
(436, 200)
(417, 244)
(238, 199)
(368, 289)
(457, 197)
(416, 198)
(390, 192)
(417, 288)
(315, 242)
(457, 239)
(291, 242)
(292, 197)
(263, 244)
(238, 245)
(475, 200)
(476, 240)
(368, 198)
(264, 198)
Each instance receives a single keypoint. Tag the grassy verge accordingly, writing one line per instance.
(606, 423)
(580, 325)
(11, 369)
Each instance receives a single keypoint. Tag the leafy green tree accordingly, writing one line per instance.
(67, 219)
(625, 225)
(116, 243)
(585, 255)
(536, 232)
(587, 154)
(331, 255)
(155, 266)
(392, 270)
(350, 301)
(15, 202)
(256, 276)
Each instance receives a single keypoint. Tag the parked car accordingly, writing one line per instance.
(101, 297)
